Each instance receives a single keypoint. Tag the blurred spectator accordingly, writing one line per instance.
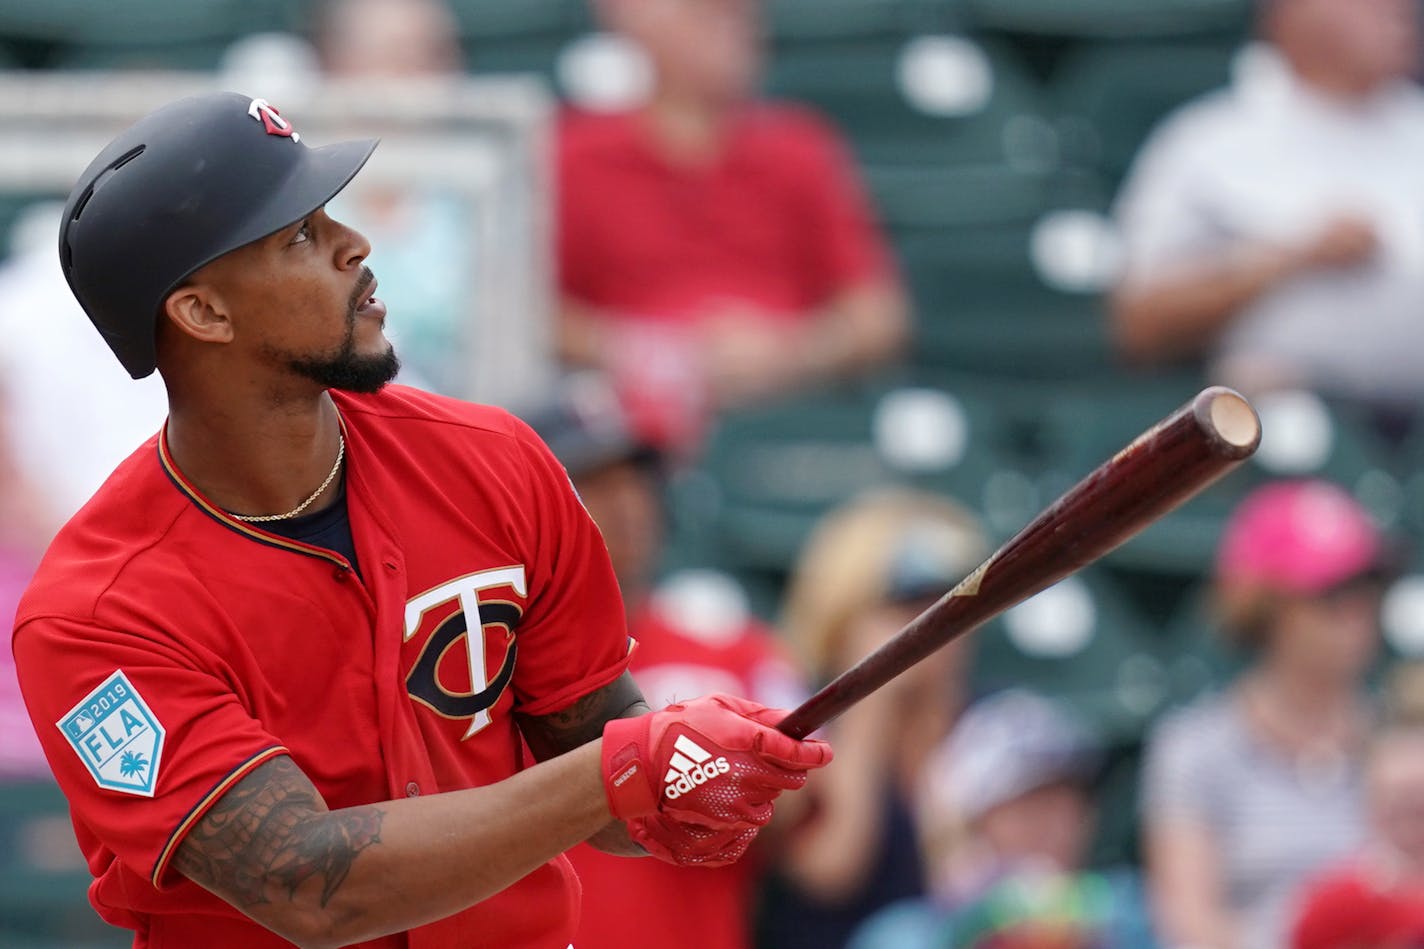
(387, 39)
(422, 230)
(1250, 791)
(868, 569)
(1008, 819)
(59, 439)
(694, 637)
(23, 532)
(1278, 225)
(714, 249)
(1376, 899)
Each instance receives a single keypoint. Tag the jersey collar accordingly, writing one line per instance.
(250, 531)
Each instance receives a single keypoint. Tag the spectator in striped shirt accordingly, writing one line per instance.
(1252, 790)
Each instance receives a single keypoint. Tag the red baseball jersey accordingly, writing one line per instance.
(649, 903)
(779, 221)
(166, 649)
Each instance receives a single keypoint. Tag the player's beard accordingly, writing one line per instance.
(346, 369)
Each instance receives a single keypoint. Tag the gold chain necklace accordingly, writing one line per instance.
(256, 518)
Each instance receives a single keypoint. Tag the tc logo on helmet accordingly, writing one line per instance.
(271, 121)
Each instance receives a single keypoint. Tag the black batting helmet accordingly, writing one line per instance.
(181, 187)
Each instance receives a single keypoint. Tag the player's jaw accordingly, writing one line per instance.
(365, 360)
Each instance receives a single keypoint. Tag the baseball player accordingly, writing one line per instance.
(327, 661)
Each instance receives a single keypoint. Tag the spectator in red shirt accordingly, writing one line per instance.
(714, 249)
(695, 636)
(1376, 900)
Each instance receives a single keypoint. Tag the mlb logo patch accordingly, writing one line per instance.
(117, 736)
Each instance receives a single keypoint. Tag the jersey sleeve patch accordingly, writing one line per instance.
(117, 736)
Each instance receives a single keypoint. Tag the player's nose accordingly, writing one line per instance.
(350, 246)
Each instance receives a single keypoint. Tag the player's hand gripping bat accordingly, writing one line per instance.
(1163, 467)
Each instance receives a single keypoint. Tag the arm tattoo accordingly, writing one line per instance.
(580, 723)
(269, 834)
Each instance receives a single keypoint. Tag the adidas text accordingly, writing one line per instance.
(699, 775)
(691, 766)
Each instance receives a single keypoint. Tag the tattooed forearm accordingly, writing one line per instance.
(583, 721)
(270, 834)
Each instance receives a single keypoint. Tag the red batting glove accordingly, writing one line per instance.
(690, 845)
(715, 763)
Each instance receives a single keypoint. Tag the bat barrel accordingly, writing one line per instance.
(1157, 472)
(1228, 421)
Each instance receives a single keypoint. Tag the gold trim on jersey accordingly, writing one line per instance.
(201, 808)
(227, 520)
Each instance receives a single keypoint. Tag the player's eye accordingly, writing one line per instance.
(303, 234)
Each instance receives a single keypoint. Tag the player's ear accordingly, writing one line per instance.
(197, 310)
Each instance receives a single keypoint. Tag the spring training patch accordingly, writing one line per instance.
(116, 735)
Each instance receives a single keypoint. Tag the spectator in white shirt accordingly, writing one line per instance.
(1277, 227)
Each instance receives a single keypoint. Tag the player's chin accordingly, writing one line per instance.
(367, 373)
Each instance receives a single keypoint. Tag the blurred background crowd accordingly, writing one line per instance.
(842, 293)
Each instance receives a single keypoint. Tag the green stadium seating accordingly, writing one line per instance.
(520, 54)
(1197, 656)
(492, 19)
(1111, 677)
(147, 24)
(981, 307)
(857, 84)
(1108, 97)
(43, 878)
(1110, 18)
(198, 56)
(769, 473)
(914, 198)
(798, 20)
(808, 21)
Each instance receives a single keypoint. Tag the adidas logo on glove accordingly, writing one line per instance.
(691, 766)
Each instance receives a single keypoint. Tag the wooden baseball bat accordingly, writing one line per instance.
(1160, 469)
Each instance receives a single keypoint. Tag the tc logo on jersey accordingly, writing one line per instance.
(483, 626)
(272, 122)
(116, 735)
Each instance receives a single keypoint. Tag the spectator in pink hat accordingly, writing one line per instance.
(1249, 791)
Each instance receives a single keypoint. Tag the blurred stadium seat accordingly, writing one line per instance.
(164, 34)
(43, 878)
(1109, 96)
(932, 99)
(1111, 18)
(518, 35)
(1079, 641)
(982, 306)
(776, 469)
(810, 20)
(1196, 655)
(146, 24)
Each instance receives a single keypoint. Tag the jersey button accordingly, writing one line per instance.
(412, 790)
(339, 574)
